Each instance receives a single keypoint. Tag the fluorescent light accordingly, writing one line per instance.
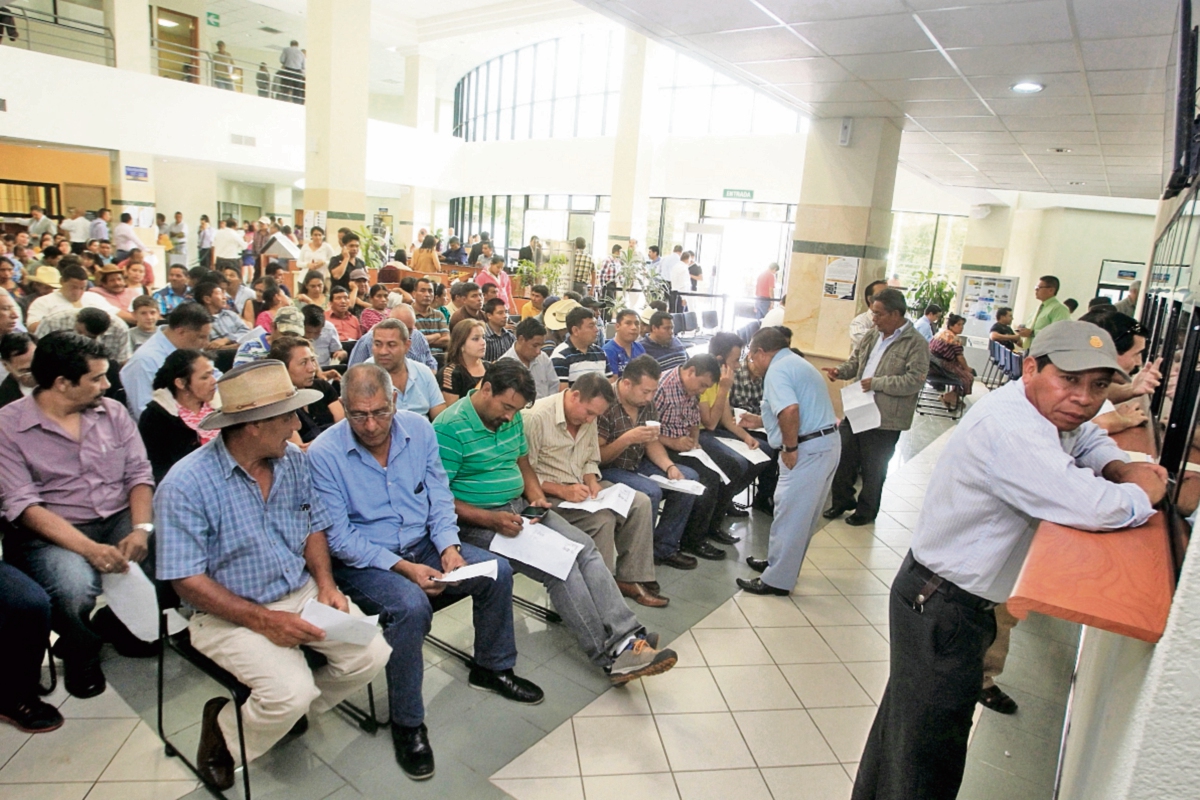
(1077, 183)
(166, 23)
(1027, 87)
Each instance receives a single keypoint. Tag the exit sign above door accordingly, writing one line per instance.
(738, 194)
(213, 19)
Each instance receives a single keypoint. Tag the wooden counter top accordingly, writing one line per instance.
(1121, 581)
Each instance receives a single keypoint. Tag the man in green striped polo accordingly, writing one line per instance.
(1049, 312)
(483, 448)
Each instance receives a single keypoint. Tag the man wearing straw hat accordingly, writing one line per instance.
(241, 537)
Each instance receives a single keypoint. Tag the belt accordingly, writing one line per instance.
(936, 583)
(816, 434)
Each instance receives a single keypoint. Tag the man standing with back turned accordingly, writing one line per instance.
(970, 544)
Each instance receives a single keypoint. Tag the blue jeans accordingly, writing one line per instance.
(72, 583)
(25, 631)
(406, 613)
(668, 527)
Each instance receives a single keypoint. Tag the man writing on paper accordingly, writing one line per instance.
(242, 539)
(565, 453)
(482, 439)
(892, 361)
(798, 416)
(380, 475)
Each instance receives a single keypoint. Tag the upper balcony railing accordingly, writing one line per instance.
(191, 65)
(55, 34)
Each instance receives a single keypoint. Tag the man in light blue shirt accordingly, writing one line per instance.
(798, 416)
(380, 474)
(188, 328)
(1023, 454)
(924, 326)
(416, 389)
(418, 345)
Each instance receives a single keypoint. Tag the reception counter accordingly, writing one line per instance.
(1121, 581)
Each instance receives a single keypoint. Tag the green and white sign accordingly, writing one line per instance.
(738, 194)
(213, 19)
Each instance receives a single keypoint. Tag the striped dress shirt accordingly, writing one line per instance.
(1005, 468)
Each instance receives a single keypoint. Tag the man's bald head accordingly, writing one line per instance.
(405, 314)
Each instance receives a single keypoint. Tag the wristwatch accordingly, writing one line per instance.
(148, 527)
(791, 449)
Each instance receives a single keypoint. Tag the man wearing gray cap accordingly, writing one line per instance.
(970, 542)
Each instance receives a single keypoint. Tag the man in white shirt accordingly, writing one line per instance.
(860, 325)
(80, 228)
(125, 239)
(666, 264)
(228, 244)
(178, 233)
(38, 223)
(99, 229)
(72, 294)
(1024, 453)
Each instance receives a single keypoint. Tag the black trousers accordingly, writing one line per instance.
(917, 747)
(25, 631)
(705, 517)
(866, 454)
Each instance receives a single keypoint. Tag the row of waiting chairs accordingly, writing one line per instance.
(1004, 365)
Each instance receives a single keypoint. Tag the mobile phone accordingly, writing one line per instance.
(534, 513)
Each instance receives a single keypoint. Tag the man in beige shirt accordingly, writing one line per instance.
(565, 453)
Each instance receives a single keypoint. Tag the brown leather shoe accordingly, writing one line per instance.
(641, 595)
(213, 759)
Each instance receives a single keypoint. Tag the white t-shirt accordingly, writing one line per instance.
(49, 303)
(773, 317)
(78, 228)
(323, 253)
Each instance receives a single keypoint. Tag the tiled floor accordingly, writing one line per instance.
(772, 698)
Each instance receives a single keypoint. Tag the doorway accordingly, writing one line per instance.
(177, 37)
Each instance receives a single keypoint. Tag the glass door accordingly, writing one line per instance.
(177, 38)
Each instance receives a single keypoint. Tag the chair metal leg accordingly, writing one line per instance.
(366, 720)
(42, 690)
(450, 650)
(541, 612)
(237, 710)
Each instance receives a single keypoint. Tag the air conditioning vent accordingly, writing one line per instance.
(269, 29)
(248, 141)
(3, 104)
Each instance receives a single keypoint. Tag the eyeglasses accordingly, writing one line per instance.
(379, 415)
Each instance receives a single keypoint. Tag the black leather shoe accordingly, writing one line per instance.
(112, 630)
(721, 537)
(997, 700)
(856, 520)
(734, 511)
(413, 753)
(836, 511)
(83, 677)
(213, 759)
(706, 551)
(678, 560)
(756, 586)
(507, 685)
(35, 716)
(756, 564)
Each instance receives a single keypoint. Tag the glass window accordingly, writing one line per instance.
(923, 242)
(591, 115)
(537, 201)
(561, 201)
(508, 82)
(564, 117)
(543, 85)
(723, 208)
(677, 214)
(541, 120)
(583, 202)
(522, 120)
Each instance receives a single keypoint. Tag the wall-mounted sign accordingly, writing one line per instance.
(383, 211)
(141, 174)
(738, 194)
(841, 276)
(213, 19)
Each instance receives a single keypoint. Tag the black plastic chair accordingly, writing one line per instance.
(181, 644)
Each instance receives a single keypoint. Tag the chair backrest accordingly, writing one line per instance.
(689, 318)
(708, 320)
(610, 330)
(680, 323)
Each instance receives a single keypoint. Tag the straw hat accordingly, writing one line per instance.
(646, 313)
(556, 315)
(109, 269)
(257, 391)
(48, 276)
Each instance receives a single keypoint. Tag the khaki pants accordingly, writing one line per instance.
(282, 687)
(625, 543)
(997, 654)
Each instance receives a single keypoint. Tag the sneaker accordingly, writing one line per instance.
(640, 660)
(32, 716)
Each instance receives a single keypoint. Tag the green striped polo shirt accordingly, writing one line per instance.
(480, 463)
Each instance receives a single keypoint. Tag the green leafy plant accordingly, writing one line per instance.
(374, 248)
(929, 286)
(636, 276)
(549, 272)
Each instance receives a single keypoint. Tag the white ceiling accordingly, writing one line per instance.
(458, 34)
(944, 68)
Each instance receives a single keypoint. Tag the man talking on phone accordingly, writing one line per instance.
(484, 451)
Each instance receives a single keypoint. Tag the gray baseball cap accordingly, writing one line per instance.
(1075, 346)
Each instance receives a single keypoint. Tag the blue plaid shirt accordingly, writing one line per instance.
(212, 520)
(418, 350)
(167, 299)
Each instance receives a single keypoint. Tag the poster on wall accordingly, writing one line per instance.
(979, 295)
(314, 219)
(145, 218)
(841, 276)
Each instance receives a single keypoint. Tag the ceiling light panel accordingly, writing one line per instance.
(888, 34)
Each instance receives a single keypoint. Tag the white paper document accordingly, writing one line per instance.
(738, 413)
(705, 459)
(484, 569)
(617, 498)
(340, 626)
(132, 598)
(859, 408)
(540, 547)
(682, 485)
(752, 454)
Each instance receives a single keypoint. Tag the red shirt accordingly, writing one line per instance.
(347, 327)
(766, 284)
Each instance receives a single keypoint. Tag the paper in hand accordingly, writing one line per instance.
(683, 485)
(705, 459)
(539, 546)
(132, 598)
(484, 569)
(754, 455)
(617, 498)
(859, 408)
(340, 626)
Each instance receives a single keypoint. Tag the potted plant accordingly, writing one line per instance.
(549, 272)
(374, 248)
(928, 287)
